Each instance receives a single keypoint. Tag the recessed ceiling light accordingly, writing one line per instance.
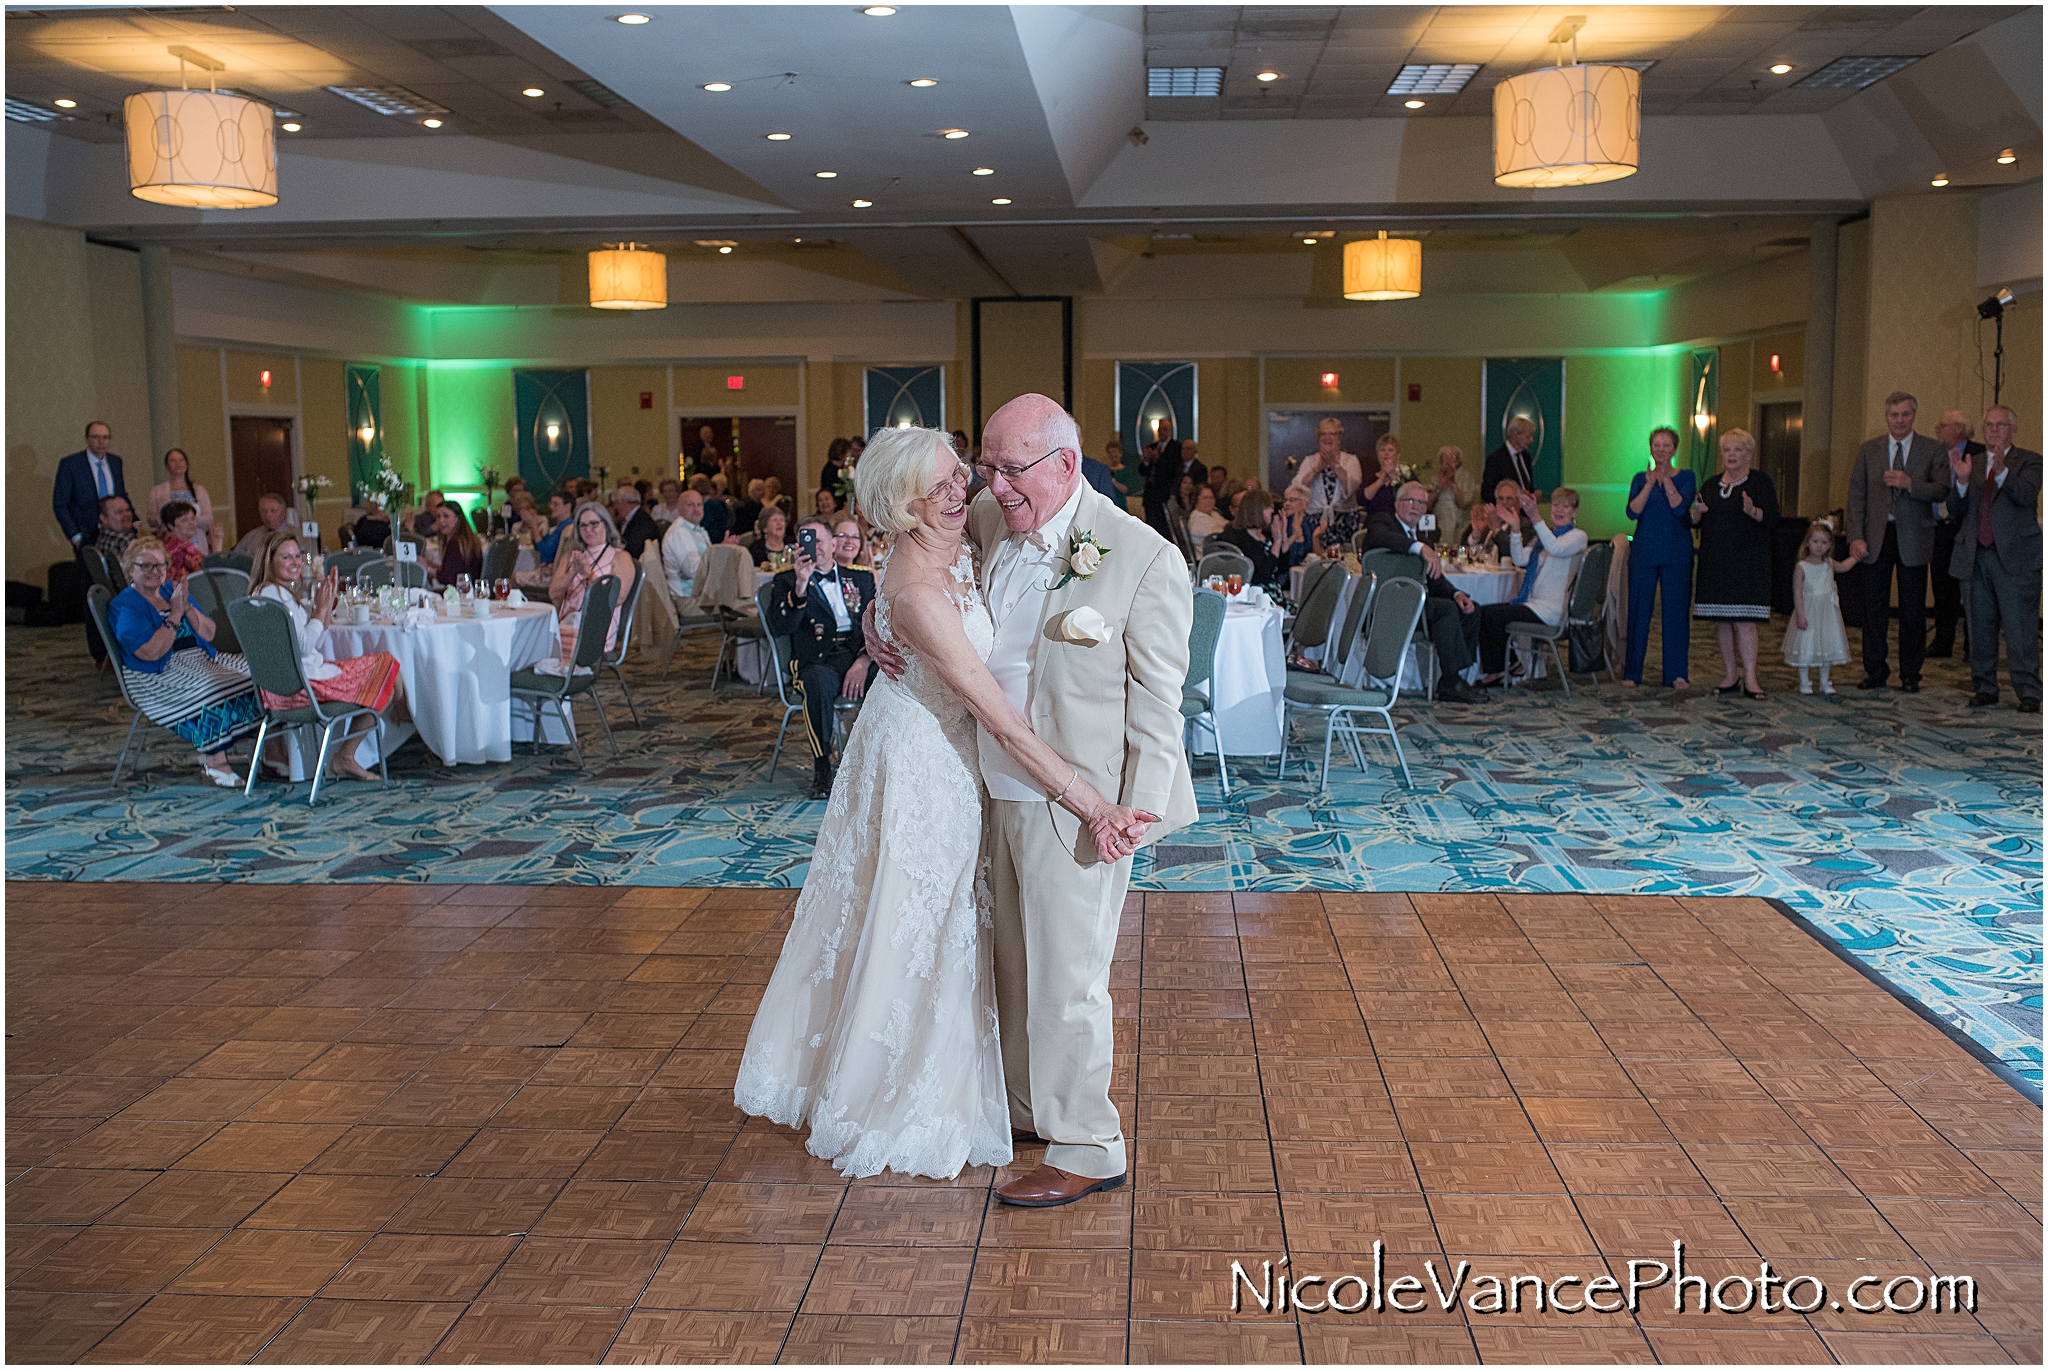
(922, 82)
(725, 252)
(66, 104)
(430, 123)
(1411, 104)
(1940, 180)
(533, 92)
(825, 175)
(634, 18)
(1269, 76)
(291, 128)
(953, 133)
(776, 137)
(2007, 157)
(1780, 68)
(984, 171)
(1000, 200)
(863, 204)
(717, 87)
(879, 11)
(1308, 242)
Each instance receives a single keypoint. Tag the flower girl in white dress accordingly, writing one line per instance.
(878, 1027)
(1817, 637)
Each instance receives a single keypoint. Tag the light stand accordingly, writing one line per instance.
(1993, 309)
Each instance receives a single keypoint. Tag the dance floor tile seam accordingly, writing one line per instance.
(511, 1193)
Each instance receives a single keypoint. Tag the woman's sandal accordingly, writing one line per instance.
(226, 779)
(1728, 689)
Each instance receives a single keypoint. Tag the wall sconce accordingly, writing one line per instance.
(368, 433)
(554, 432)
(1703, 421)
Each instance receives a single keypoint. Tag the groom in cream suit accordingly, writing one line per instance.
(1092, 610)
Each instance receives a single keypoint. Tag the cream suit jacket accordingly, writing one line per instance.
(1113, 708)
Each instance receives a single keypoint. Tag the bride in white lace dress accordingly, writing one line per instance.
(878, 1028)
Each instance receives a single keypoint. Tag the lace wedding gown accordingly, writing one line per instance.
(878, 1027)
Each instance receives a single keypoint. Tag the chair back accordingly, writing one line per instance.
(101, 571)
(1388, 564)
(1223, 562)
(271, 646)
(725, 578)
(1312, 575)
(617, 655)
(778, 643)
(1362, 595)
(374, 575)
(97, 600)
(1396, 609)
(1318, 606)
(240, 561)
(598, 602)
(1177, 524)
(1589, 591)
(1202, 637)
(499, 559)
(348, 563)
(211, 593)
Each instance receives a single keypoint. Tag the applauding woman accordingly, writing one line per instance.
(1660, 558)
(175, 677)
(181, 486)
(181, 540)
(596, 551)
(1736, 515)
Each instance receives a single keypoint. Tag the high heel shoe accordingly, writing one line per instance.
(1748, 693)
(1727, 689)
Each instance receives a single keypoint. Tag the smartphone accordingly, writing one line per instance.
(807, 539)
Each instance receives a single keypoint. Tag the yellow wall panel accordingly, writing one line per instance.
(1446, 415)
(703, 388)
(245, 375)
(201, 430)
(323, 412)
(634, 442)
(1360, 380)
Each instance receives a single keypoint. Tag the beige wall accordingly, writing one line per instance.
(323, 417)
(202, 427)
(1447, 413)
(636, 443)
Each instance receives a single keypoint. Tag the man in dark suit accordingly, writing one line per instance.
(83, 480)
(1162, 481)
(1514, 459)
(1998, 558)
(1508, 519)
(817, 605)
(636, 526)
(1102, 478)
(1953, 433)
(1452, 617)
(1893, 488)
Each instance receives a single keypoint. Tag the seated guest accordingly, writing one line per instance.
(848, 546)
(561, 506)
(683, 547)
(817, 605)
(1294, 528)
(166, 644)
(272, 509)
(1219, 479)
(827, 505)
(1203, 520)
(370, 680)
(181, 529)
(1479, 532)
(665, 510)
(462, 551)
(424, 522)
(770, 543)
(1508, 522)
(718, 522)
(1542, 596)
(117, 529)
(776, 497)
(746, 512)
(1452, 617)
(373, 529)
(597, 553)
(636, 526)
(1251, 533)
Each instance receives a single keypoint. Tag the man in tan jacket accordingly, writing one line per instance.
(1092, 610)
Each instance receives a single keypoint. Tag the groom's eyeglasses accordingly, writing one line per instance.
(1009, 473)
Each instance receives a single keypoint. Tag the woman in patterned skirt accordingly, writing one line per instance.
(370, 680)
(172, 672)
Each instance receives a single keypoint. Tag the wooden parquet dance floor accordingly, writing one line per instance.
(465, 1123)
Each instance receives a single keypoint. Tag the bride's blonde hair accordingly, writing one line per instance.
(895, 472)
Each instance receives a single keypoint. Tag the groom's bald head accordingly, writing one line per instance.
(1016, 436)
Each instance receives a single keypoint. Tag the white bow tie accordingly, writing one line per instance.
(1034, 539)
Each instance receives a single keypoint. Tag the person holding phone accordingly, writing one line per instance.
(817, 605)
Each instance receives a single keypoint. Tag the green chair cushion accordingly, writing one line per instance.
(1330, 696)
(534, 683)
(1193, 703)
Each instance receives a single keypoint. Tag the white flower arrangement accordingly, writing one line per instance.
(308, 486)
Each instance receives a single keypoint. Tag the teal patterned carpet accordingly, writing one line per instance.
(1907, 828)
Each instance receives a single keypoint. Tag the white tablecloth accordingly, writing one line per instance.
(751, 657)
(458, 677)
(1486, 587)
(1251, 679)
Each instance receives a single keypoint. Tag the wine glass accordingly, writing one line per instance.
(1236, 584)
(501, 588)
(464, 585)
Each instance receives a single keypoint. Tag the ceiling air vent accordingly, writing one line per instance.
(1183, 82)
(598, 93)
(1854, 73)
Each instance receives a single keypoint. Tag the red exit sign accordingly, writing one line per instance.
(735, 382)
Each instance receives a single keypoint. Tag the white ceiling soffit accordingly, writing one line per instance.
(1084, 63)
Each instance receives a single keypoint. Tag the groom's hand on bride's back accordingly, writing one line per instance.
(883, 653)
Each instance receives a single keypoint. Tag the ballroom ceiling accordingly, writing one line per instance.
(1105, 187)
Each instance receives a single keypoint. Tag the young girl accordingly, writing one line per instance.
(1816, 637)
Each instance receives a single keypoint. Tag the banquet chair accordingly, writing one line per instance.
(615, 659)
(1388, 565)
(96, 600)
(728, 588)
(375, 575)
(102, 571)
(1318, 606)
(1224, 562)
(537, 689)
(211, 592)
(1589, 607)
(1396, 606)
(1538, 635)
(238, 561)
(348, 563)
(844, 711)
(500, 558)
(1198, 694)
(271, 646)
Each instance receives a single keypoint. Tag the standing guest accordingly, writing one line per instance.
(834, 470)
(561, 506)
(1251, 532)
(1120, 479)
(117, 529)
(1452, 615)
(1101, 476)
(666, 510)
(1162, 477)
(462, 551)
(683, 547)
(1660, 561)
(636, 526)
(83, 480)
(1329, 476)
(1376, 496)
(425, 521)
(747, 512)
(1191, 464)
(1998, 555)
(1893, 487)
(598, 553)
(176, 678)
(1203, 520)
(1451, 494)
(1514, 459)
(817, 605)
(770, 544)
(271, 510)
(1545, 587)
(1337, 530)
(855, 447)
(709, 462)
(1294, 528)
(1953, 433)
(181, 546)
(1816, 636)
(369, 681)
(373, 529)
(178, 484)
(826, 506)
(1735, 516)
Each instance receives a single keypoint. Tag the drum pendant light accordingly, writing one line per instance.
(1574, 125)
(200, 148)
(1382, 268)
(628, 277)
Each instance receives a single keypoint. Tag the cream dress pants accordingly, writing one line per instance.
(1055, 934)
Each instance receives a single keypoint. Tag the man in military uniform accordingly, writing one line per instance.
(817, 604)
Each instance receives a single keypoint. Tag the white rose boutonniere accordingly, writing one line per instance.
(1084, 557)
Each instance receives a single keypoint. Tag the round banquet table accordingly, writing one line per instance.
(458, 676)
(1250, 684)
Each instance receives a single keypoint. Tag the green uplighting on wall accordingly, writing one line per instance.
(1613, 399)
(469, 422)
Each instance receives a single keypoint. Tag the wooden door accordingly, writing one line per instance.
(767, 447)
(1778, 433)
(262, 465)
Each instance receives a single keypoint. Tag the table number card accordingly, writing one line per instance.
(408, 551)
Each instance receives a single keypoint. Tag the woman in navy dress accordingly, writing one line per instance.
(1660, 560)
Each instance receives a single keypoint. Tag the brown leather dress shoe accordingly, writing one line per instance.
(1049, 1187)
(1019, 1137)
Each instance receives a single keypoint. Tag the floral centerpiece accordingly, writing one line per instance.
(493, 482)
(310, 486)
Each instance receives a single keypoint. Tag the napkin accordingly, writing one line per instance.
(417, 618)
(1085, 626)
